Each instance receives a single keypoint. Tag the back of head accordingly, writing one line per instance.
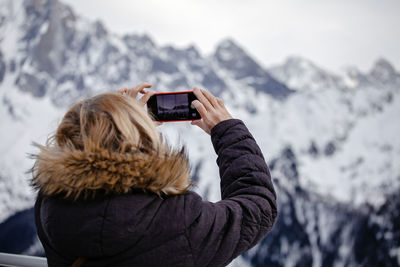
(108, 121)
(109, 143)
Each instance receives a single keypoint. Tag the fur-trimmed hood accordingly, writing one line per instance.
(76, 173)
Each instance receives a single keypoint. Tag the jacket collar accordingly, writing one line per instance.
(75, 173)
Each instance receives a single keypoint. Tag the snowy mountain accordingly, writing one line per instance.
(331, 139)
(302, 74)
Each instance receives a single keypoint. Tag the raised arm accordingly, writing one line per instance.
(219, 232)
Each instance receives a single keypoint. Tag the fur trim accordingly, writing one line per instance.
(74, 173)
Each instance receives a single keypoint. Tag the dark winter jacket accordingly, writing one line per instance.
(142, 229)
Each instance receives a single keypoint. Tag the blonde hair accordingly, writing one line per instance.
(109, 142)
(107, 121)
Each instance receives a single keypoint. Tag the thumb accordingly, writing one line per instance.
(201, 124)
(143, 100)
(196, 122)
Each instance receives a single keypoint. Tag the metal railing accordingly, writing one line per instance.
(16, 260)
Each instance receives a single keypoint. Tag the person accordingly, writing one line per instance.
(113, 192)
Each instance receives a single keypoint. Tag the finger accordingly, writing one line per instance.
(201, 125)
(131, 92)
(122, 90)
(210, 98)
(134, 91)
(140, 87)
(200, 108)
(203, 100)
(219, 100)
(196, 122)
(143, 100)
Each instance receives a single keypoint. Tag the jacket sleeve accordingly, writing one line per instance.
(219, 232)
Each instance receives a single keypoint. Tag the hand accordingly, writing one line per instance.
(212, 110)
(140, 88)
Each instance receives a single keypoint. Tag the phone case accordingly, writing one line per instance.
(165, 93)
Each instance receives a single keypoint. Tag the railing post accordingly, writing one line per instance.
(22, 260)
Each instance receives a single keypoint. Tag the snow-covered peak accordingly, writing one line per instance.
(382, 65)
(384, 72)
(237, 63)
(334, 139)
(228, 49)
(302, 74)
(49, 30)
(233, 58)
(187, 53)
(300, 63)
(135, 40)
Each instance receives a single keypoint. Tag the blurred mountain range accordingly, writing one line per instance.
(331, 139)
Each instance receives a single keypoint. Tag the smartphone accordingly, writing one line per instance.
(173, 106)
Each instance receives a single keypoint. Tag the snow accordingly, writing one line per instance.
(239, 262)
(396, 253)
(303, 75)
(36, 119)
(35, 249)
(353, 112)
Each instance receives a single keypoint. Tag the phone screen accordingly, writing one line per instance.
(175, 106)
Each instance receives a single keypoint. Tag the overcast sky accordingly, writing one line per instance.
(332, 33)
